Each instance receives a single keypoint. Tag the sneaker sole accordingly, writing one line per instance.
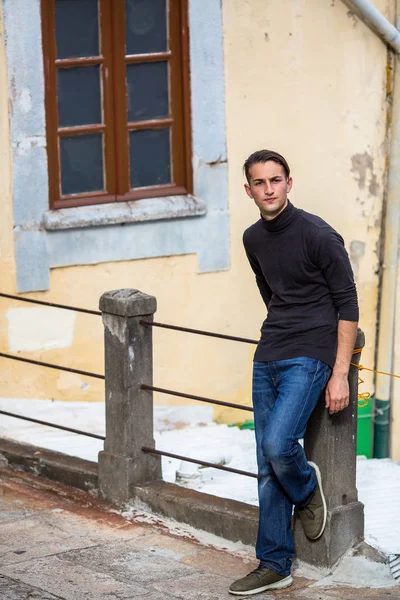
(319, 479)
(279, 585)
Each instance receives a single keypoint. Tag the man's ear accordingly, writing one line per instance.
(248, 190)
(289, 184)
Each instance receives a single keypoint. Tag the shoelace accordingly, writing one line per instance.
(309, 511)
(259, 571)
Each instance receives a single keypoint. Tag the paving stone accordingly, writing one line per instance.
(299, 583)
(72, 582)
(175, 546)
(13, 590)
(29, 538)
(220, 562)
(201, 586)
(97, 530)
(11, 512)
(115, 559)
(11, 515)
(127, 563)
(160, 596)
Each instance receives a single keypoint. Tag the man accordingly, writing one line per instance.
(305, 279)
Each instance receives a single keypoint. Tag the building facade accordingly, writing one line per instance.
(123, 130)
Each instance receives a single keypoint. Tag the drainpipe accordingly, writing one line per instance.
(376, 21)
(389, 282)
(391, 36)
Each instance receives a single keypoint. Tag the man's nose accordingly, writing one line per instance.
(268, 189)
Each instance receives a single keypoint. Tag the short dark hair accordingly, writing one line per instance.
(263, 156)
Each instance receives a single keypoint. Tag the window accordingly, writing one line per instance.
(117, 100)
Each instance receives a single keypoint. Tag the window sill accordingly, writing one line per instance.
(118, 213)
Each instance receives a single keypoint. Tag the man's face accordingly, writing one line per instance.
(269, 188)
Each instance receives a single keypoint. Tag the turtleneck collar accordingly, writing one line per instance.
(283, 221)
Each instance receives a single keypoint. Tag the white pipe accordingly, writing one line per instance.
(376, 21)
(390, 252)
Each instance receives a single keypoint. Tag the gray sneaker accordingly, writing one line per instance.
(260, 580)
(313, 516)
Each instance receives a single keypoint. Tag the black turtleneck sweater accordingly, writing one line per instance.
(304, 276)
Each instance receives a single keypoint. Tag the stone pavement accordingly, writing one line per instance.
(57, 542)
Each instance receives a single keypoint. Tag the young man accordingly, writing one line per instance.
(305, 279)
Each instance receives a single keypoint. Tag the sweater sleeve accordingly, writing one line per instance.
(265, 290)
(331, 257)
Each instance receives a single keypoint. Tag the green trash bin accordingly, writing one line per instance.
(364, 429)
(244, 425)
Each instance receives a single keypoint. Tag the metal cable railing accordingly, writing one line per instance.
(51, 366)
(143, 322)
(54, 425)
(144, 448)
(221, 336)
(51, 304)
(197, 462)
(198, 398)
(193, 397)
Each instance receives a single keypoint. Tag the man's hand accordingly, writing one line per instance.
(337, 393)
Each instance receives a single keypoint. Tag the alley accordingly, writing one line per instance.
(60, 543)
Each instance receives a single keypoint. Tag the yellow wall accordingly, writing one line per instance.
(304, 78)
(316, 92)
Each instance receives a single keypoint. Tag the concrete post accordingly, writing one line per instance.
(129, 409)
(330, 442)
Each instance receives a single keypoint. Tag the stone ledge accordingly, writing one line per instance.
(118, 213)
(235, 521)
(76, 472)
(230, 519)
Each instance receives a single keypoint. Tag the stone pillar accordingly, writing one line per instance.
(330, 442)
(129, 409)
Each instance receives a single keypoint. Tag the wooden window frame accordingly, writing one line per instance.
(115, 124)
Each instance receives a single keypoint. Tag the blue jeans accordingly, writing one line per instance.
(285, 393)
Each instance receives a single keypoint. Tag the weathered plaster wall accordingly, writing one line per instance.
(303, 77)
(7, 271)
(39, 328)
(38, 250)
(7, 261)
(175, 281)
(309, 80)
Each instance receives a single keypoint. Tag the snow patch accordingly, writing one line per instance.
(189, 430)
(357, 571)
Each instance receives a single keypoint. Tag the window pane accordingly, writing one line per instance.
(147, 91)
(81, 160)
(79, 100)
(77, 28)
(146, 26)
(150, 157)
